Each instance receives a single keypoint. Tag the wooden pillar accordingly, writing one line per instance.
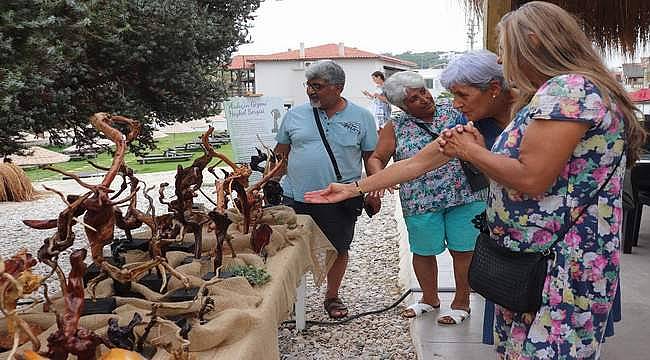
(493, 10)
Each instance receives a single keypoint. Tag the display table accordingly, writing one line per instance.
(245, 319)
(312, 253)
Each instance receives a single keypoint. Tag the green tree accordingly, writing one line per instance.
(425, 60)
(152, 60)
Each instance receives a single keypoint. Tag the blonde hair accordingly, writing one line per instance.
(561, 48)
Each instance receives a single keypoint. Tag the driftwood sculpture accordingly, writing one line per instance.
(220, 221)
(63, 238)
(70, 338)
(100, 210)
(271, 189)
(250, 200)
(134, 271)
(17, 280)
(131, 220)
(122, 336)
(187, 183)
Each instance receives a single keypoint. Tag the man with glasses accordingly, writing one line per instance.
(349, 130)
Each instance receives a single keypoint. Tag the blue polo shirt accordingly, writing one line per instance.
(349, 132)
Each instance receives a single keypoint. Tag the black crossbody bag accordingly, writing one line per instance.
(354, 205)
(514, 280)
(477, 181)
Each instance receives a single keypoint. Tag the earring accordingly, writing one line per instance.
(494, 96)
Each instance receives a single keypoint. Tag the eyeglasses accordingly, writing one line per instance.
(315, 87)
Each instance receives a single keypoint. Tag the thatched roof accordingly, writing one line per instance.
(37, 155)
(620, 25)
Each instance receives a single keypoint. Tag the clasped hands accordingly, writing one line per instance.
(459, 141)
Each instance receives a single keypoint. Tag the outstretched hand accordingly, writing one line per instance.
(334, 193)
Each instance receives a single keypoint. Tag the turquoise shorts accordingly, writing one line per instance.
(430, 233)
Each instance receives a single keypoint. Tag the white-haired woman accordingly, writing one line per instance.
(480, 91)
(437, 206)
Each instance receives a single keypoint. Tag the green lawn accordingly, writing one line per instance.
(105, 159)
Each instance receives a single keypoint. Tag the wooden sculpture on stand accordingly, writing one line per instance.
(16, 281)
(187, 183)
(135, 271)
(70, 338)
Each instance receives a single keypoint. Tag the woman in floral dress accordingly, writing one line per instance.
(574, 127)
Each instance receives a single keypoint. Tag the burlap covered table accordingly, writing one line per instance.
(244, 322)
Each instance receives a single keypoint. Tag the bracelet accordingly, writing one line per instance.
(356, 183)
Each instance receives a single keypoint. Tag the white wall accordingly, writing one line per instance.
(281, 79)
(285, 78)
(433, 74)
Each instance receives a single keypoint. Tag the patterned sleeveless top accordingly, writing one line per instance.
(443, 187)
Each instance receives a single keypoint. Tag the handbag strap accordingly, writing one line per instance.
(426, 128)
(468, 168)
(562, 232)
(327, 145)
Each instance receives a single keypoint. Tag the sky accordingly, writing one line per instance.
(379, 26)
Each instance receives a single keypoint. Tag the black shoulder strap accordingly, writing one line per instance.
(426, 128)
(327, 145)
(476, 179)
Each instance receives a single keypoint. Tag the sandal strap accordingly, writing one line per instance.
(334, 304)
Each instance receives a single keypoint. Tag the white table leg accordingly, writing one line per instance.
(299, 307)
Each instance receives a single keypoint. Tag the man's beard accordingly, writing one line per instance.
(315, 102)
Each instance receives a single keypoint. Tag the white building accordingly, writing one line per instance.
(432, 80)
(283, 74)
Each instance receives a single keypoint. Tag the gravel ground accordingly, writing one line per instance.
(370, 283)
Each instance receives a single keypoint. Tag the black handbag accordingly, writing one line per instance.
(475, 178)
(354, 206)
(514, 280)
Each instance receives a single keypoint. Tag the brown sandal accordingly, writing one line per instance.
(335, 308)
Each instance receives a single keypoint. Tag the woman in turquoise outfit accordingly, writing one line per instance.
(438, 206)
(565, 94)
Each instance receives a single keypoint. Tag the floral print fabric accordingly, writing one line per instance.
(443, 187)
(581, 285)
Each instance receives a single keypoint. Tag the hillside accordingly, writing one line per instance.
(428, 59)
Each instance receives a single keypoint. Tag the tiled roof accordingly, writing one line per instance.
(327, 51)
(243, 62)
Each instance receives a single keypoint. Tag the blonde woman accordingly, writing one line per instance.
(573, 126)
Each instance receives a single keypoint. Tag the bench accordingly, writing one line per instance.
(82, 175)
(76, 156)
(164, 158)
(168, 152)
(195, 146)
